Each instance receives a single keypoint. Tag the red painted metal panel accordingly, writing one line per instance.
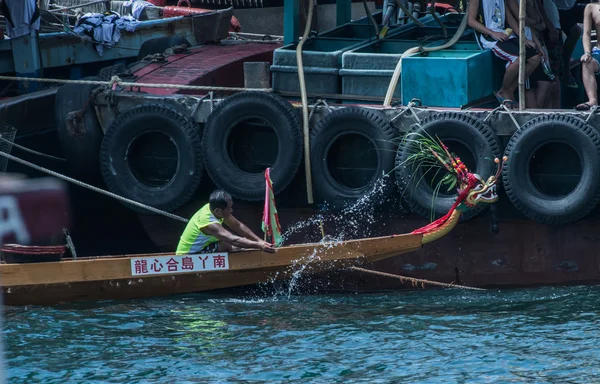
(211, 65)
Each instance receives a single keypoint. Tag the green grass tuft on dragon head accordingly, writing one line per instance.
(472, 188)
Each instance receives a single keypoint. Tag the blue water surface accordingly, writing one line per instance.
(543, 335)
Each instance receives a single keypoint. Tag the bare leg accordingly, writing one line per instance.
(532, 64)
(568, 49)
(511, 76)
(543, 94)
(530, 99)
(588, 70)
(554, 99)
(509, 83)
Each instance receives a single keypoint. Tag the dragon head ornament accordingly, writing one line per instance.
(472, 189)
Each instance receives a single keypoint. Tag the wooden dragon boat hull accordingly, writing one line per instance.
(147, 275)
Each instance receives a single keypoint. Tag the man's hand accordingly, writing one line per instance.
(585, 57)
(530, 44)
(500, 36)
(266, 247)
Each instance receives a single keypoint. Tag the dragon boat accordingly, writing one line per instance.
(164, 132)
(32, 275)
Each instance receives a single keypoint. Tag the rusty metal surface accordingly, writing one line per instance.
(215, 65)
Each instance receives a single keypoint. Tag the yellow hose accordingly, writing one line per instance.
(305, 103)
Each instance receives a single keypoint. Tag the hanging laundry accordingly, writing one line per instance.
(22, 17)
(104, 28)
(137, 7)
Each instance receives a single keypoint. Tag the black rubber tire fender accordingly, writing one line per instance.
(80, 150)
(280, 115)
(160, 44)
(449, 126)
(182, 132)
(366, 122)
(523, 144)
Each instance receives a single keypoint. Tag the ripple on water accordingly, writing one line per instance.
(534, 335)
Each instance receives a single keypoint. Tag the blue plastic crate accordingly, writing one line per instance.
(367, 71)
(448, 78)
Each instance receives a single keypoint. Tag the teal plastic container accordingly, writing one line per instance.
(321, 60)
(448, 78)
(367, 70)
(322, 54)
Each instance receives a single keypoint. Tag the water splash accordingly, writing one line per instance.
(353, 220)
(285, 284)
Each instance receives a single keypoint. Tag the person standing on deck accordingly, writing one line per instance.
(553, 40)
(535, 27)
(205, 233)
(570, 13)
(590, 59)
(505, 46)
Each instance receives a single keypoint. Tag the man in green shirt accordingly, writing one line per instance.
(205, 233)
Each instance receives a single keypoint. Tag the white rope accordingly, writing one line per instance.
(593, 111)
(511, 116)
(96, 189)
(60, 8)
(492, 112)
(505, 108)
(256, 34)
(409, 108)
(30, 150)
(117, 81)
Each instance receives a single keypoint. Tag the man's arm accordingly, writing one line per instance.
(512, 19)
(472, 20)
(512, 15)
(586, 39)
(476, 25)
(222, 234)
(240, 228)
(552, 32)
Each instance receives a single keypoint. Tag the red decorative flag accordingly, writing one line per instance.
(270, 221)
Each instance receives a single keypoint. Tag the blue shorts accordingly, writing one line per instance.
(596, 57)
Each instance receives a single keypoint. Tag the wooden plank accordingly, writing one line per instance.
(132, 288)
(120, 268)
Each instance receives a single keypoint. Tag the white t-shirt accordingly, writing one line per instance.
(494, 16)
